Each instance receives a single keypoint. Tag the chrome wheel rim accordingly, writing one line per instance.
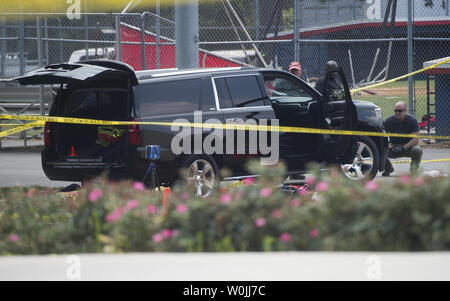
(202, 176)
(362, 165)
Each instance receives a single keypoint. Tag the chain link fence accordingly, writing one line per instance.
(368, 38)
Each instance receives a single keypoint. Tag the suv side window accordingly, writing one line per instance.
(223, 93)
(168, 97)
(239, 91)
(208, 101)
(245, 91)
(285, 90)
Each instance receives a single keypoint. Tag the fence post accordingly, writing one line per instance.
(86, 36)
(22, 46)
(60, 40)
(296, 31)
(143, 40)
(40, 63)
(46, 40)
(158, 31)
(410, 57)
(256, 20)
(3, 49)
(118, 39)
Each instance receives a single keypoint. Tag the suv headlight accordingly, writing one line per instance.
(378, 113)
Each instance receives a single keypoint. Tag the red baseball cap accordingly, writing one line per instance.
(295, 65)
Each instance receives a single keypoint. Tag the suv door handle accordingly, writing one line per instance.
(232, 120)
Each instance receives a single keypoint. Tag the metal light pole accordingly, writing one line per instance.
(40, 62)
(22, 45)
(158, 32)
(118, 39)
(296, 31)
(186, 34)
(3, 48)
(410, 56)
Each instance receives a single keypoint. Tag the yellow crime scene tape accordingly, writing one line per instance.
(11, 124)
(426, 161)
(41, 119)
(286, 129)
(21, 128)
(399, 78)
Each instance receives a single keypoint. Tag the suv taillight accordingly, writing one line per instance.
(134, 135)
(47, 134)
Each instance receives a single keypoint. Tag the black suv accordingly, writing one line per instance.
(110, 90)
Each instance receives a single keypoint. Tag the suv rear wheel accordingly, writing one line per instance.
(367, 161)
(202, 173)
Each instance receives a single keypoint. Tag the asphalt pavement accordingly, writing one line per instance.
(22, 166)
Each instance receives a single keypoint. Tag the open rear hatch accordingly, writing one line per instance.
(100, 90)
(84, 143)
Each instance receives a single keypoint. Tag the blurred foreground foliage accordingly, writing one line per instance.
(335, 214)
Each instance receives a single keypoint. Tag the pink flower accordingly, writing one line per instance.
(226, 198)
(152, 209)
(265, 192)
(95, 194)
(310, 180)
(157, 237)
(249, 181)
(174, 233)
(295, 203)
(302, 191)
(184, 196)
(285, 237)
(132, 204)
(404, 179)
(138, 186)
(238, 195)
(371, 185)
(260, 222)
(276, 213)
(181, 208)
(322, 186)
(418, 181)
(14, 238)
(166, 233)
(314, 233)
(114, 216)
(30, 192)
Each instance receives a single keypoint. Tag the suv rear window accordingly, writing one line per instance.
(109, 104)
(168, 97)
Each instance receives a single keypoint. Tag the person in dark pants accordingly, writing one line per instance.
(402, 123)
(333, 83)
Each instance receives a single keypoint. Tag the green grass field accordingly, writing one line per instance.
(389, 94)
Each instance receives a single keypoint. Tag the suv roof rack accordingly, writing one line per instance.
(148, 74)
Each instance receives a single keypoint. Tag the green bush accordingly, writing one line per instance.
(335, 214)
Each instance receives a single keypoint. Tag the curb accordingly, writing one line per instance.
(31, 148)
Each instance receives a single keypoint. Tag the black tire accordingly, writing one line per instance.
(366, 163)
(202, 173)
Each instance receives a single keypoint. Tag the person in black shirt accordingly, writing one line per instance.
(333, 83)
(402, 123)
